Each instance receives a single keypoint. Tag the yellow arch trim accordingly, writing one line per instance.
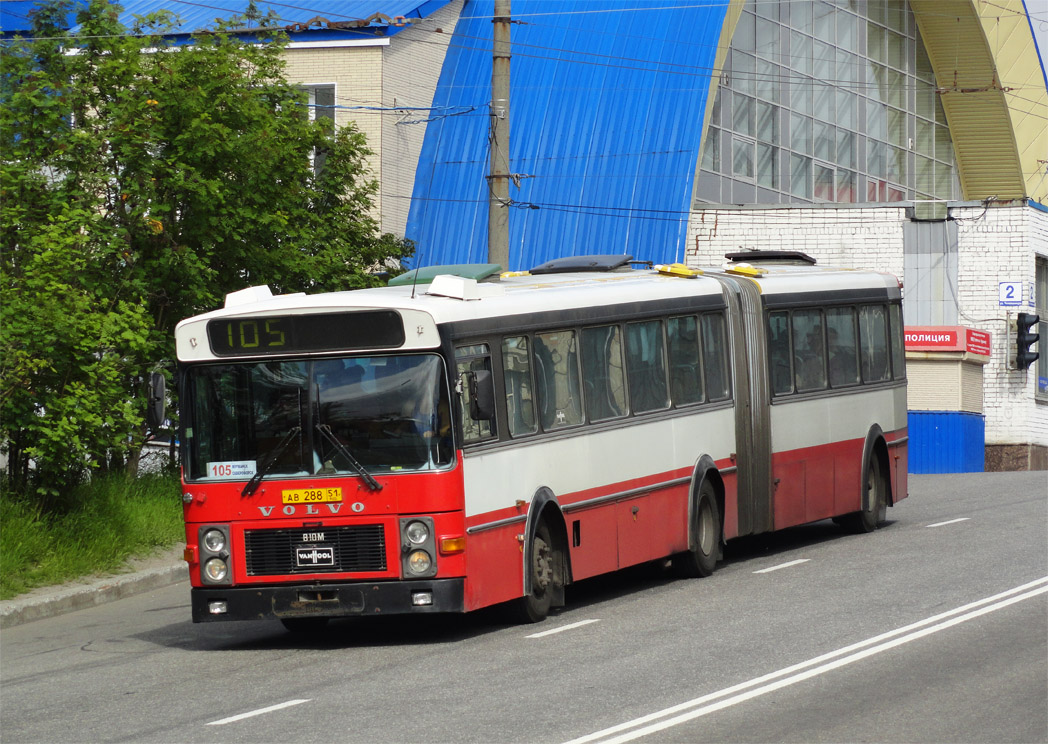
(993, 92)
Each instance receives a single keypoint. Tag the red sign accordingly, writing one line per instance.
(947, 338)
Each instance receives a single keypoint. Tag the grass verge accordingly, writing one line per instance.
(112, 520)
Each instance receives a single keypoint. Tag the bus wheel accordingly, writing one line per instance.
(702, 559)
(534, 606)
(876, 510)
(304, 625)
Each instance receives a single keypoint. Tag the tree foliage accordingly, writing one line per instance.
(141, 181)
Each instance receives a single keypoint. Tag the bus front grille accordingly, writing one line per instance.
(354, 548)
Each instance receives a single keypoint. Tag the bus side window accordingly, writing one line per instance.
(715, 356)
(779, 352)
(557, 380)
(646, 366)
(602, 373)
(809, 350)
(470, 359)
(873, 337)
(898, 348)
(682, 343)
(520, 402)
(843, 346)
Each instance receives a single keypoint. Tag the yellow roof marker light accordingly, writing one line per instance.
(677, 269)
(745, 269)
(508, 274)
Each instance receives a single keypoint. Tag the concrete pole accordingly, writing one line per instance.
(498, 179)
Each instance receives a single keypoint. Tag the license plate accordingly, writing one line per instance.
(307, 556)
(311, 495)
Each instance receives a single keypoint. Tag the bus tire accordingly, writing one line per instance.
(876, 509)
(304, 625)
(701, 560)
(543, 560)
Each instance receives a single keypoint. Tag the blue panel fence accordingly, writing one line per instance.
(947, 442)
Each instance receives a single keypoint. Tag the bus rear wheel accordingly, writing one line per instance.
(701, 560)
(534, 606)
(876, 509)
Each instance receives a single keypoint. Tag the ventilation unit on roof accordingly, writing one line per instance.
(570, 264)
(792, 258)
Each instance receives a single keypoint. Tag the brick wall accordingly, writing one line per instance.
(861, 238)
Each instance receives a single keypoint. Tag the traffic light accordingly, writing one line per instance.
(1024, 339)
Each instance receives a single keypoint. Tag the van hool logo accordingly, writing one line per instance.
(315, 556)
(290, 510)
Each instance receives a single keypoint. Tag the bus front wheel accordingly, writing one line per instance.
(701, 559)
(542, 566)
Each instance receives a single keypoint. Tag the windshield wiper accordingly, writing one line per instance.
(269, 461)
(329, 435)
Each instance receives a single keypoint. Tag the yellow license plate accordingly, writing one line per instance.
(311, 495)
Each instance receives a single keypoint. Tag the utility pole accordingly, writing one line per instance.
(498, 137)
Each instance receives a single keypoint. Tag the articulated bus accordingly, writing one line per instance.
(465, 438)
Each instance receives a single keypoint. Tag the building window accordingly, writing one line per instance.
(321, 107)
(833, 84)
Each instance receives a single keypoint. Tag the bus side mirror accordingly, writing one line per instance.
(155, 403)
(481, 395)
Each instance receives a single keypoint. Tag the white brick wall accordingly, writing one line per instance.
(994, 245)
(861, 238)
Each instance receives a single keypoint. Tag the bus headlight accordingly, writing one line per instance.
(417, 532)
(216, 570)
(419, 562)
(214, 541)
(216, 566)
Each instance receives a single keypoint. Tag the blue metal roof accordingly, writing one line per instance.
(15, 16)
(607, 105)
(323, 17)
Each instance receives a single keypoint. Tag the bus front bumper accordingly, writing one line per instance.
(215, 604)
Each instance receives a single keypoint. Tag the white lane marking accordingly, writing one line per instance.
(783, 565)
(819, 665)
(952, 521)
(562, 628)
(258, 712)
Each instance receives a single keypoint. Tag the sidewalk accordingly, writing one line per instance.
(141, 575)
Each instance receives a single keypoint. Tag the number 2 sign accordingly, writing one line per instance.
(1010, 293)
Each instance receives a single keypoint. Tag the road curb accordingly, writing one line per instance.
(71, 598)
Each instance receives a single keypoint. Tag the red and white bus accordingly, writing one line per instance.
(476, 438)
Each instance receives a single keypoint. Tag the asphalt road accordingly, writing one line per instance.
(933, 629)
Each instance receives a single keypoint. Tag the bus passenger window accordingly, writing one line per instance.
(843, 346)
(898, 349)
(602, 373)
(520, 402)
(469, 359)
(715, 352)
(873, 337)
(809, 350)
(646, 366)
(682, 343)
(557, 380)
(779, 352)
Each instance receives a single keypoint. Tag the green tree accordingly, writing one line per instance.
(141, 181)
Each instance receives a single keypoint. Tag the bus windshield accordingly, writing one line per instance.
(304, 417)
